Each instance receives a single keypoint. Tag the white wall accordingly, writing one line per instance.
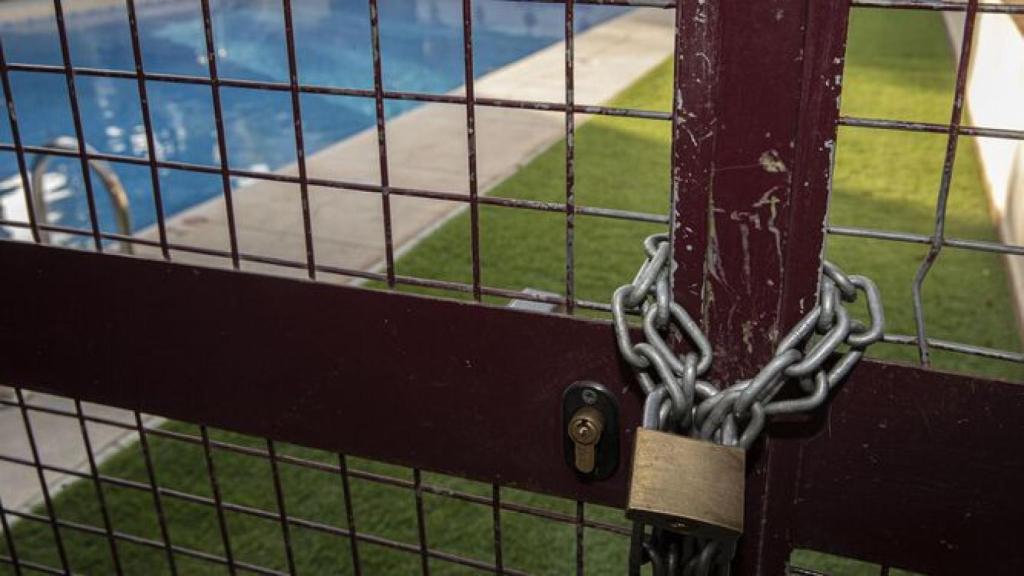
(995, 99)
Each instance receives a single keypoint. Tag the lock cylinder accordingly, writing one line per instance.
(585, 431)
(590, 416)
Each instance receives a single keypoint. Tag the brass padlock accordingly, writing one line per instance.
(687, 486)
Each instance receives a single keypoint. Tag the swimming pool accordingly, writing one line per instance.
(422, 50)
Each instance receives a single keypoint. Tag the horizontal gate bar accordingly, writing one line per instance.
(909, 468)
(452, 387)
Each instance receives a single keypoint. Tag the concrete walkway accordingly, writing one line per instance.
(426, 149)
(60, 443)
(21, 10)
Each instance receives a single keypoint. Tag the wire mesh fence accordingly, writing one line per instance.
(342, 534)
(219, 501)
(939, 238)
(476, 284)
(206, 508)
(106, 508)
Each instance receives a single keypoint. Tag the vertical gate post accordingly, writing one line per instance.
(754, 126)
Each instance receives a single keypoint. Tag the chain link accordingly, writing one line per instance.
(679, 399)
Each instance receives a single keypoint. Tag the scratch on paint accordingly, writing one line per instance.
(714, 263)
(707, 61)
(772, 202)
(752, 217)
(690, 134)
(745, 240)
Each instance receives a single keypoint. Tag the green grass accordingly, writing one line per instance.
(899, 66)
(452, 526)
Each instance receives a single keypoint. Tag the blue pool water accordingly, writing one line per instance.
(421, 44)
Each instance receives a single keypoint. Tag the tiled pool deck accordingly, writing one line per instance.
(427, 149)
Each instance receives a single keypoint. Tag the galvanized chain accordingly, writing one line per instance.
(680, 400)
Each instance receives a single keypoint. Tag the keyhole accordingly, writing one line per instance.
(585, 431)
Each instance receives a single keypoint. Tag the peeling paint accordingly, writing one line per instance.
(830, 145)
(771, 162)
(748, 335)
(751, 217)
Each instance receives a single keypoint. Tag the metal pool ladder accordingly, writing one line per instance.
(118, 196)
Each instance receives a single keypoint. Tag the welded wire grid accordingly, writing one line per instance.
(351, 542)
(938, 239)
(103, 482)
(385, 189)
(336, 468)
(570, 208)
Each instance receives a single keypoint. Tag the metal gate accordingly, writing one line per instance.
(908, 467)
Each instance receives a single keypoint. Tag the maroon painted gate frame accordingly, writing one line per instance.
(908, 468)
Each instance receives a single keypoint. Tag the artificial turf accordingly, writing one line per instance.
(899, 66)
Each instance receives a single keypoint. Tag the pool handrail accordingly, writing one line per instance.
(116, 191)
